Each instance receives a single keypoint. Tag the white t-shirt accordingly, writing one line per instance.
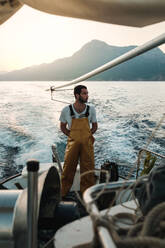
(65, 116)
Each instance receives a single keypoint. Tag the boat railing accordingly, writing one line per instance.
(56, 157)
(140, 155)
(3, 181)
(90, 196)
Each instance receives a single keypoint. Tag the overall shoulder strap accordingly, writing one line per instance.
(71, 111)
(87, 111)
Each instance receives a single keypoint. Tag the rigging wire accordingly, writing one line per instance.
(56, 99)
(59, 101)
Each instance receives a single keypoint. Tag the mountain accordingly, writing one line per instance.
(149, 66)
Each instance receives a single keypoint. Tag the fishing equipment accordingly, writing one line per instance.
(151, 192)
(112, 169)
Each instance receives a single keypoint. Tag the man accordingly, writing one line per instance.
(75, 123)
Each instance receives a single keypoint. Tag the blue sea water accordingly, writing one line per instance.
(127, 113)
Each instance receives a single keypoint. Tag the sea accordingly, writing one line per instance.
(130, 117)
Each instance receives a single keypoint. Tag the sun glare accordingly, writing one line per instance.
(32, 37)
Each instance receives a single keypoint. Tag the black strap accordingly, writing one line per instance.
(84, 115)
(87, 111)
(71, 110)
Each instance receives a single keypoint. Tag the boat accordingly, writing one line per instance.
(30, 206)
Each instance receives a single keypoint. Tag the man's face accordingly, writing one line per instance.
(83, 97)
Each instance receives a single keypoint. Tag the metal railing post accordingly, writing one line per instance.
(32, 203)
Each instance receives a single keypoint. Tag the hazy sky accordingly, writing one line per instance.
(31, 37)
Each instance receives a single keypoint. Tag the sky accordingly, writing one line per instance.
(31, 37)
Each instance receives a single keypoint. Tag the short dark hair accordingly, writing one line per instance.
(78, 88)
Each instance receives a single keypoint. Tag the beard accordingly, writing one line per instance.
(81, 100)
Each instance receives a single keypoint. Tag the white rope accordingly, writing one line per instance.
(60, 101)
(64, 90)
(56, 99)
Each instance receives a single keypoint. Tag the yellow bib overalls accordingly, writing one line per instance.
(79, 146)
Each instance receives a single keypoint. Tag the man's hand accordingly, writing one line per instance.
(94, 127)
(64, 129)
